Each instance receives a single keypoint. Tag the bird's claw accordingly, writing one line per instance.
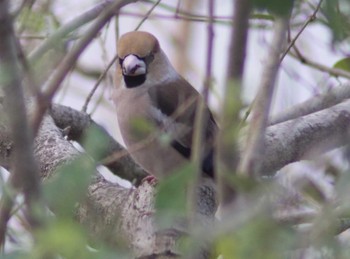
(150, 179)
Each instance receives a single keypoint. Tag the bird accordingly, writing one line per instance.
(151, 95)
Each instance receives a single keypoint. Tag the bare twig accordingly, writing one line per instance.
(238, 40)
(308, 62)
(24, 167)
(99, 80)
(251, 161)
(146, 16)
(200, 119)
(227, 152)
(226, 20)
(210, 47)
(68, 62)
(308, 21)
(68, 28)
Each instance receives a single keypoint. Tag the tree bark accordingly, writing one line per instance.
(112, 212)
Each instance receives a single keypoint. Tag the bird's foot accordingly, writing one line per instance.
(151, 179)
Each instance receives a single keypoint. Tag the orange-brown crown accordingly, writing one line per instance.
(138, 43)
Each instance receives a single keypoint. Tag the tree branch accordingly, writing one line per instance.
(251, 160)
(24, 168)
(78, 124)
(239, 38)
(111, 211)
(314, 104)
(66, 29)
(69, 61)
(305, 137)
(227, 154)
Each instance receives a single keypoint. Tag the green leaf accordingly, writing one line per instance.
(141, 128)
(263, 16)
(32, 20)
(277, 7)
(62, 237)
(337, 15)
(172, 193)
(343, 64)
(261, 237)
(95, 143)
(14, 255)
(69, 186)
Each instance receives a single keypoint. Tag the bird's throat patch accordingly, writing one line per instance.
(134, 81)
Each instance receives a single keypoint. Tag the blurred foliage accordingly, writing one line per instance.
(69, 186)
(173, 195)
(338, 19)
(260, 237)
(95, 143)
(141, 128)
(343, 64)
(276, 7)
(256, 236)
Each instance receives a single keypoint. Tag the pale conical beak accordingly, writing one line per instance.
(133, 66)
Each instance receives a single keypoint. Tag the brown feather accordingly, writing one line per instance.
(138, 43)
(179, 100)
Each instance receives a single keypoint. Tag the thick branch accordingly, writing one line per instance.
(317, 103)
(285, 142)
(78, 124)
(306, 137)
(113, 212)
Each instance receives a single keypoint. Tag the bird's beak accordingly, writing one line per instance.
(133, 66)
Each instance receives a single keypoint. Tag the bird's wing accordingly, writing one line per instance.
(175, 105)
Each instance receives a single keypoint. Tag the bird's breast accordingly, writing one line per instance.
(133, 114)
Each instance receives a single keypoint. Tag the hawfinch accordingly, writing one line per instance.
(156, 108)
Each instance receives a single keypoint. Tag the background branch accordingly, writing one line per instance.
(112, 211)
(66, 29)
(23, 165)
(227, 156)
(305, 137)
(69, 61)
(314, 104)
(78, 123)
(251, 160)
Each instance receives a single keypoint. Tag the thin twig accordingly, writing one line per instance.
(66, 29)
(200, 120)
(99, 80)
(251, 161)
(137, 146)
(239, 40)
(147, 15)
(308, 62)
(227, 154)
(196, 18)
(70, 59)
(209, 63)
(308, 21)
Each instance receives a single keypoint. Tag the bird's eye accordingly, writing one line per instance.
(148, 59)
(121, 60)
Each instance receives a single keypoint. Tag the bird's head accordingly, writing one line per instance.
(137, 52)
(142, 61)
